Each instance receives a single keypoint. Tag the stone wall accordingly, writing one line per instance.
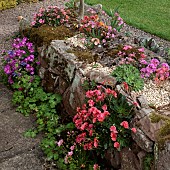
(63, 73)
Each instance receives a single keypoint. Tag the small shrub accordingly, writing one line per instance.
(130, 74)
(53, 16)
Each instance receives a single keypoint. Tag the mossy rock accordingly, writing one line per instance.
(84, 55)
(163, 134)
(45, 34)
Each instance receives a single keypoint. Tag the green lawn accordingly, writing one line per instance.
(152, 16)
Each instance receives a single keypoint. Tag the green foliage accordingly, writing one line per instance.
(130, 74)
(31, 98)
(150, 44)
(148, 161)
(70, 4)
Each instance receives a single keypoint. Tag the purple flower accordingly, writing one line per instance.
(7, 69)
(165, 65)
(155, 61)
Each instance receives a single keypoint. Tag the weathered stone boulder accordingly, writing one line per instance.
(162, 157)
(143, 141)
(62, 72)
(129, 160)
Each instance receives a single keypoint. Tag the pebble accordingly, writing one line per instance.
(157, 95)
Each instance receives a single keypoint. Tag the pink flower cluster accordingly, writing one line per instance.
(161, 71)
(95, 28)
(91, 115)
(117, 22)
(130, 54)
(114, 132)
(53, 16)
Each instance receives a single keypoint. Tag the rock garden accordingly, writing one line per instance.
(100, 98)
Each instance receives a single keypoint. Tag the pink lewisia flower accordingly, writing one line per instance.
(72, 148)
(58, 16)
(41, 21)
(126, 47)
(89, 94)
(96, 141)
(70, 153)
(141, 49)
(91, 103)
(134, 130)
(126, 87)
(125, 124)
(113, 136)
(104, 107)
(116, 145)
(33, 23)
(113, 129)
(60, 142)
(95, 167)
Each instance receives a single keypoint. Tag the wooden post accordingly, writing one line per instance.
(81, 10)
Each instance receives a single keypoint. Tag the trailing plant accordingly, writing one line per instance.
(19, 61)
(130, 74)
(53, 16)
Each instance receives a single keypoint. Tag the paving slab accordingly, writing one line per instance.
(15, 149)
(25, 161)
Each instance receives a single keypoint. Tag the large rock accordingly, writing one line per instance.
(143, 141)
(129, 160)
(62, 72)
(148, 127)
(162, 157)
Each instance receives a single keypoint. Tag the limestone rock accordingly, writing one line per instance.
(149, 128)
(143, 112)
(143, 101)
(74, 96)
(129, 160)
(143, 141)
(113, 157)
(163, 157)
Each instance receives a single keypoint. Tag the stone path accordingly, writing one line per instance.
(16, 151)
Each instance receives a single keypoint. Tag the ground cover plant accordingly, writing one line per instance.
(104, 122)
(142, 14)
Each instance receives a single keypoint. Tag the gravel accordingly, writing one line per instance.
(9, 23)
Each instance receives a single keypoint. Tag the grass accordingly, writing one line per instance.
(152, 16)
